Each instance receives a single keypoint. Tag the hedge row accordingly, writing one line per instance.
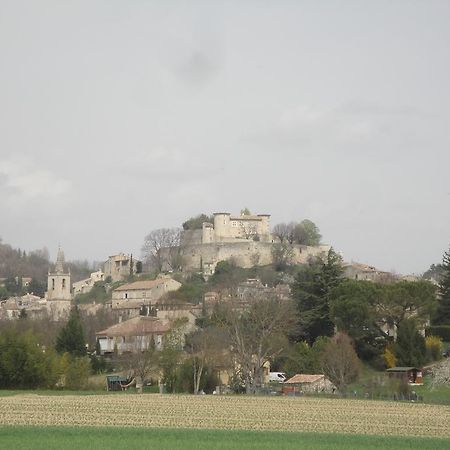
(439, 330)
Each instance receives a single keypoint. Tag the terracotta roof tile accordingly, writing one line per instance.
(304, 378)
(142, 285)
(137, 326)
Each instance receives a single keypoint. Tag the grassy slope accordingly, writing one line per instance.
(37, 438)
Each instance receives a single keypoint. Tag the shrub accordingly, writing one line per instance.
(75, 371)
(389, 356)
(434, 347)
(410, 346)
(442, 331)
(23, 362)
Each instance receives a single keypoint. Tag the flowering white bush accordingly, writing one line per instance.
(441, 373)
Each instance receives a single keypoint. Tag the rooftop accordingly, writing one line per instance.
(304, 378)
(137, 326)
(143, 285)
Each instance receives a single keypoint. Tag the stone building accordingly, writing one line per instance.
(59, 295)
(86, 285)
(120, 266)
(58, 281)
(146, 291)
(228, 228)
(133, 335)
(243, 253)
(33, 306)
(246, 240)
(252, 288)
(306, 383)
(364, 272)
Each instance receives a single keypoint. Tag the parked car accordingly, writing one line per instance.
(278, 377)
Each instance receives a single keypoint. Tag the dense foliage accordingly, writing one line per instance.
(410, 345)
(24, 363)
(98, 294)
(443, 311)
(196, 223)
(442, 331)
(311, 293)
(71, 337)
(304, 233)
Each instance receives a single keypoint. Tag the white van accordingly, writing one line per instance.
(279, 377)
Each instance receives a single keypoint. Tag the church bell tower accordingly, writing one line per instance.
(58, 284)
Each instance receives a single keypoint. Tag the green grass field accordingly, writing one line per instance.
(47, 438)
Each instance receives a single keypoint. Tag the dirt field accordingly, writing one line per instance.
(229, 412)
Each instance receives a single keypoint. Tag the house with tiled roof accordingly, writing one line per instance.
(132, 335)
(307, 384)
(147, 292)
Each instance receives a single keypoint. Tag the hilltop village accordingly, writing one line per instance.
(231, 278)
(245, 241)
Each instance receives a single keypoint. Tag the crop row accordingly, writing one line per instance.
(229, 412)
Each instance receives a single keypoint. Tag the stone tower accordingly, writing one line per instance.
(222, 226)
(58, 284)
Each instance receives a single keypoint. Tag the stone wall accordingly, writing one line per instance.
(248, 253)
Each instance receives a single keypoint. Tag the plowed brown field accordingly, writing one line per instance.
(228, 412)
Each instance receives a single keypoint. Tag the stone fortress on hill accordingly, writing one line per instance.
(245, 239)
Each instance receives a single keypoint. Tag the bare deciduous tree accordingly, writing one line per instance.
(257, 332)
(143, 360)
(161, 247)
(248, 230)
(282, 255)
(284, 232)
(207, 348)
(340, 362)
(304, 233)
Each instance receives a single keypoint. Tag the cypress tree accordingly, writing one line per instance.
(71, 336)
(311, 293)
(410, 347)
(443, 310)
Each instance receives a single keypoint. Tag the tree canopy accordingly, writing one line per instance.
(256, 334)
(71, 337)
(23, 363)
(311, 293)
(410, 347)
(304, 233)
(368, 311)
(196, 223)
(443, 310)
(162, 247)
(340, 362)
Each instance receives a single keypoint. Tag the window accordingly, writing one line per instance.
(126, 295)
(53, 283)
(63, 283)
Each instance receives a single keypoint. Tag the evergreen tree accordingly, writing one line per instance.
(36, 287)
(443, 311)
(410, 349)
(71, 337)
(23, 364)
(311, 292)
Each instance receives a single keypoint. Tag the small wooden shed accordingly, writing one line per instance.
(116, 383)
(412, 375)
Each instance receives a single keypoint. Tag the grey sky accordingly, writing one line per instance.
(119, 117)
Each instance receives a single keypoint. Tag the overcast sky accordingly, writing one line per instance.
(120, 117)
